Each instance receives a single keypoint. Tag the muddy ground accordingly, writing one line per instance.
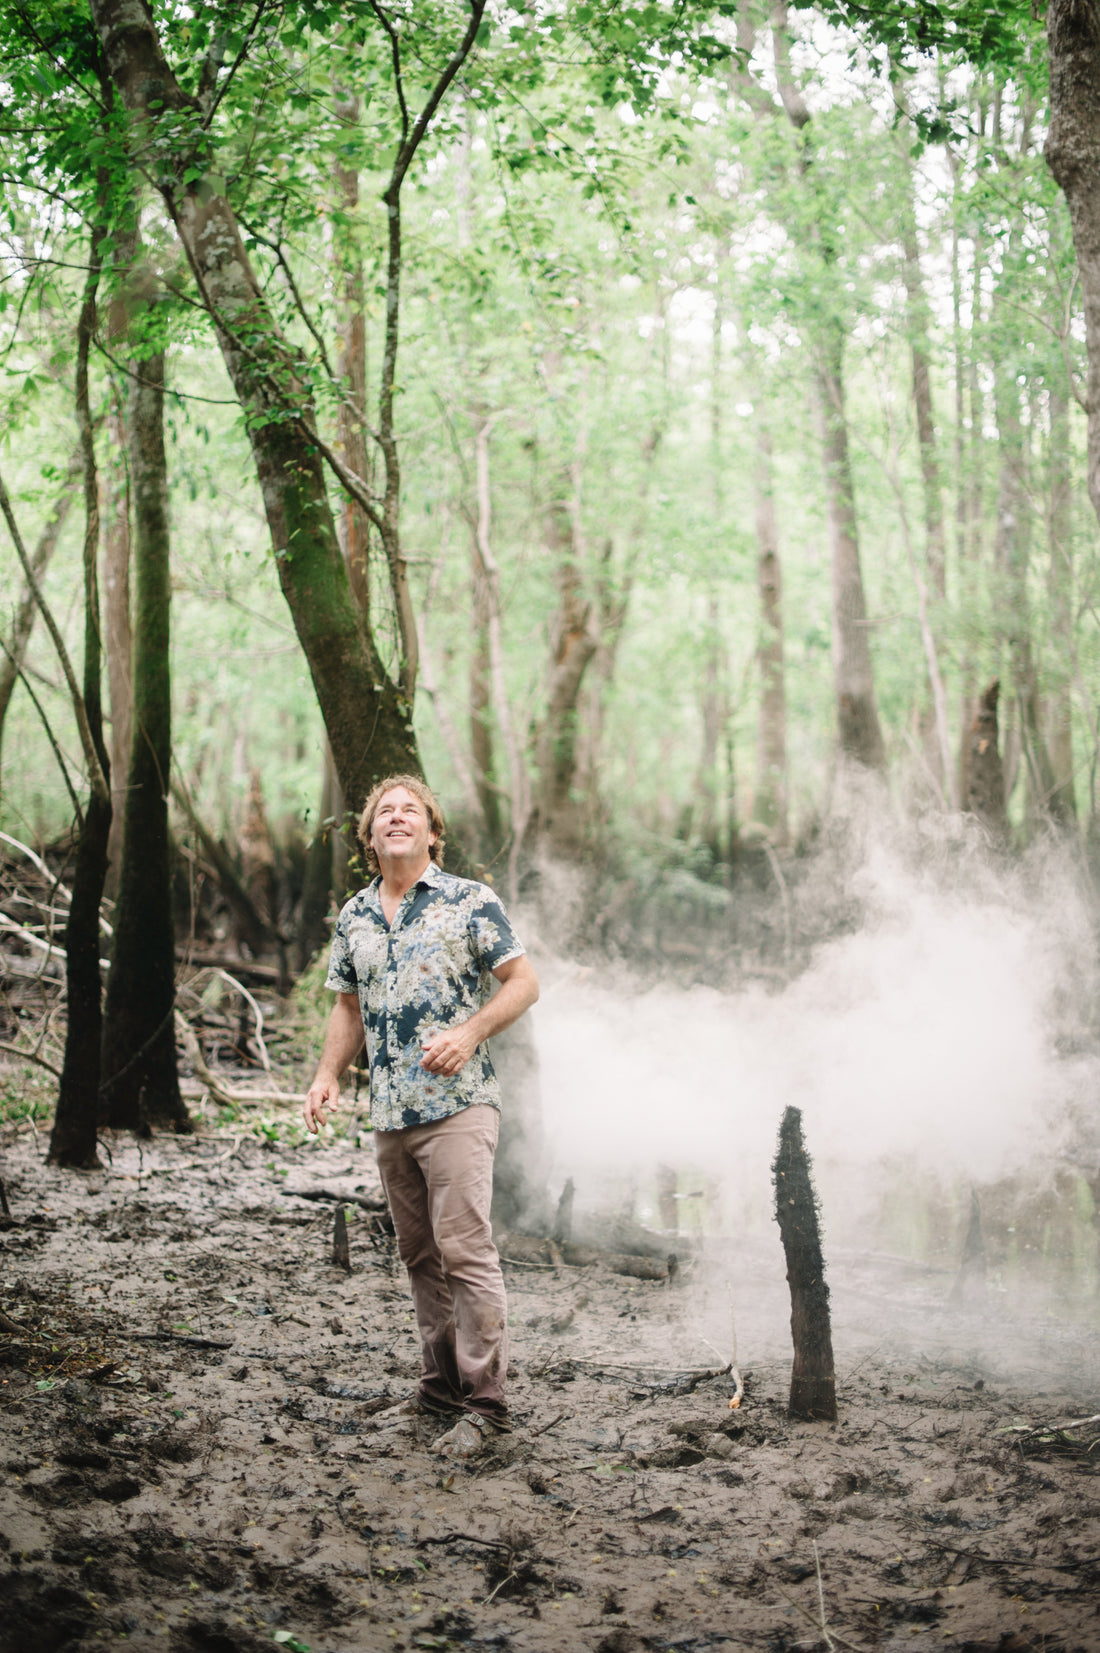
(190, 1459)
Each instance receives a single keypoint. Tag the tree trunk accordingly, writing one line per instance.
(367, 717)
(73, 1139)
(481, 715)
(519, 784)
(351, 368)
(573, 643)
(813, 1379)
(858, 728)
(27, 608)
(918, 327)
(770, 807)
(985, 795)
(1063, 802)
(1012, 554)
(317, 883)
(119, 633)
(708, 812)
(1073, 155)
(140, 1078)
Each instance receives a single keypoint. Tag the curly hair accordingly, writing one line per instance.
(419, 789)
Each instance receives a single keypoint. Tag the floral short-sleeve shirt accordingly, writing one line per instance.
(429, 968)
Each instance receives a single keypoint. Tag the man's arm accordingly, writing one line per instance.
(343, 1042)
(449, 1051)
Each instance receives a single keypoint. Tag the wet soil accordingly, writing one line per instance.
(191, 1456)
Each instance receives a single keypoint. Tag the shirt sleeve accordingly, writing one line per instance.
(495, 942)
(341, 976)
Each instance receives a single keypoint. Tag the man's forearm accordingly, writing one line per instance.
(343, 1039)
(506, 1006)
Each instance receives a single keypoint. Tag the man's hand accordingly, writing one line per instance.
(343, 1041)
(323, 1094)
(449, 1051)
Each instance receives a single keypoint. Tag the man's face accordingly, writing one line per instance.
(400, 832)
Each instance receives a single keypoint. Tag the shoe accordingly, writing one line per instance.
(465, 1440)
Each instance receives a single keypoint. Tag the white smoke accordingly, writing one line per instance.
(934, 1040)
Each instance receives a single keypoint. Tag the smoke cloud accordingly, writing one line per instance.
(946, 1036)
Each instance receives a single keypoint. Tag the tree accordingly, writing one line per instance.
(140, 1083)
(367, 713)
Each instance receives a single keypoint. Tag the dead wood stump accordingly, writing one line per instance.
(563, 1221)
(985, 791)
(969, 1284)
(341, 1251)
(813, 1379)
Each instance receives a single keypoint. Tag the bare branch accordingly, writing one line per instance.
(80, 711)
(237, 61)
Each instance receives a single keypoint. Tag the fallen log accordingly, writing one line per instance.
(619, 1262)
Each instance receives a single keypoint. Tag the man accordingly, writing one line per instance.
(411, 959)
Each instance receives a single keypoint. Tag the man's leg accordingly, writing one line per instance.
(456, 1158)
(407, 1195)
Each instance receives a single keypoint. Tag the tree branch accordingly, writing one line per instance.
(37, 704)
(80, 711)
(237, 61)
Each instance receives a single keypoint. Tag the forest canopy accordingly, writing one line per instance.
(716, 411)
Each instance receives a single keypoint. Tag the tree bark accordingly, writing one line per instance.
(140, 1078)
(119, 633)
(813, 1379)
(573, 643)
(1073, 155)
(859, 733)
(985, 796)
(481, 714)
(858, 730)
(519, 784)
(1012, 551)
(1063, 802)
(27, 609)
(351, 368)
(770, 806)
(368, 718)
(73, 1139)
(317, 883)
(918, 327)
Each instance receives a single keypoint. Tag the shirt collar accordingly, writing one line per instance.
(432, 877)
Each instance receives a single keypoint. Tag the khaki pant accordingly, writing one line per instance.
(438, 1180)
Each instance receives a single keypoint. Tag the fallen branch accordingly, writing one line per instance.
(462, 1538)
(178, 1337)
(29, 1056)
(216, 961)
(222, 1093)
(37, 861)
(1023, 1431)
(543, 1427)
(378, 1207)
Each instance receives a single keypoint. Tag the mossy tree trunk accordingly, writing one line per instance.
(140, 1083)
